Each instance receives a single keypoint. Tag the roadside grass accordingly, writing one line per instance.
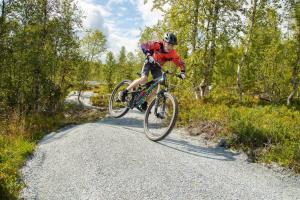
(102, 96)
(267, 133)
(13, 151)
(19, 136)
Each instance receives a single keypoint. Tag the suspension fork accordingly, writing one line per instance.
(159, 94)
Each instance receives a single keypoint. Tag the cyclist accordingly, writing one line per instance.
(156, 52)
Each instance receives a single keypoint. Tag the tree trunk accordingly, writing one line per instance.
(196, 85)
(41, 57)
(195, 19)
(245, 53)
(211, 57)
(2, 25)
(2, 22)
(2, 17)
(195, 25)
(295, 69)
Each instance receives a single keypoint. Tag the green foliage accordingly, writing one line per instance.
(109, 70)
(12, 154)
(18, 137)
(151, 33)
(122, 68)
(272, 133)
(266, 133)
(93, 45)
(101, 98)
(40, 54)
(42, 59)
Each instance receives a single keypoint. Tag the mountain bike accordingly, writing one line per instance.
(161, 114)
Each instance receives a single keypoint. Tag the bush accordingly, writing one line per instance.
(266, 133)
(101, 98)
(272, 132)
(18, 136)
(13, 151)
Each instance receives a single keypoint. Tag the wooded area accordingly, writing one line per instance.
(246, 48)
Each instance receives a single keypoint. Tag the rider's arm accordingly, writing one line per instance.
(148, 48)
(177, 61)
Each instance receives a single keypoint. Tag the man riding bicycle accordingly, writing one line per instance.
(156, 52)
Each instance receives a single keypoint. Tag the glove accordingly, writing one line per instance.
(150, 59)
(182, 75)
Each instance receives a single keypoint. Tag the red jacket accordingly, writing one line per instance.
(157, 51)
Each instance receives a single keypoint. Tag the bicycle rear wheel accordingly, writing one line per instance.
(158, 126)
(116, 107)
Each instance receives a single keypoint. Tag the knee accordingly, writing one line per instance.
(143, 79)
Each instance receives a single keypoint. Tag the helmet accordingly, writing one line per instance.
(170, 38)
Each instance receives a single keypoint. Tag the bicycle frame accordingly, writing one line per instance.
(139, 96)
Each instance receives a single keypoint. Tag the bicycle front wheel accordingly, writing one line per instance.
(157, 125)
(118, 108)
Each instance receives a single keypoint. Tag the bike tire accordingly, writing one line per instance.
(112, 98)
(172, 123)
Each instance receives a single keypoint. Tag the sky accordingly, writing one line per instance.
(120, 20)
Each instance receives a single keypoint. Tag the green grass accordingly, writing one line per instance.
(101, 98)
(13, 151)
(269, 133)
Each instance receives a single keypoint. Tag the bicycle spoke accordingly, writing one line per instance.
(156, 125)
(117, 108)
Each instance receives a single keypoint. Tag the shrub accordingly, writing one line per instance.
(267, 133)
(13, 150)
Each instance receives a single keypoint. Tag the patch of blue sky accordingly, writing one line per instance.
(120, 20)
(125, 15)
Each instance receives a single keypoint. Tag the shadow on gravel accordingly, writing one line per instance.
(135, 124)
(127, 122)
(216, 153)
(55, 136)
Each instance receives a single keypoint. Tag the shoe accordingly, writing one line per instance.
(122, 95)
(144, 106)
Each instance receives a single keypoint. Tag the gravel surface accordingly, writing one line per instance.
(112, 159)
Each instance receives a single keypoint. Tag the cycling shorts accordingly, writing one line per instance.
(155, 70)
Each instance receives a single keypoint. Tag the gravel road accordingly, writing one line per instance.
(112, 159)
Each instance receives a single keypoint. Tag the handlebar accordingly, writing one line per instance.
(166, 71)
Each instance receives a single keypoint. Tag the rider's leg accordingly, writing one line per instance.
(136, 82)
(123, 94)
(145, 72)
(143, 79)
(156, 73)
